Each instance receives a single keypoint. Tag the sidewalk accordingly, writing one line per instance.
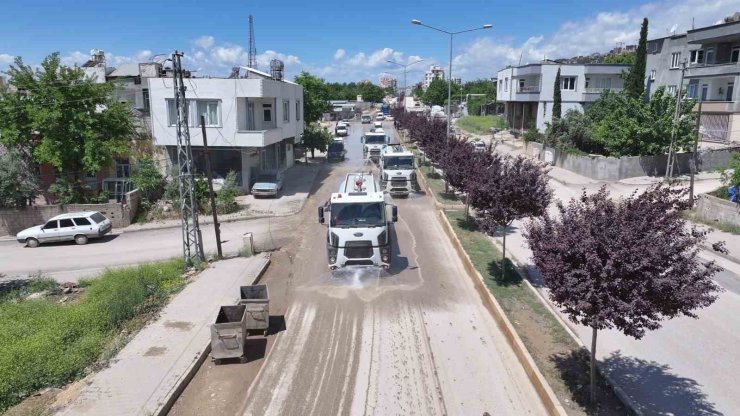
(297, 184)
(145, 375)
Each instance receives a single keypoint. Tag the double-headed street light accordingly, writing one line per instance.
(449, 74)
(405, 69)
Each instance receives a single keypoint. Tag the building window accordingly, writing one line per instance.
(710, 56)
(267, 112)
(675, 59)
(652, 74)
(286, 111)
(521, 85)
(298, 110)
(672, 89)
(588, 82)
(506, 84)
(691, 91)
(568, 83)
(697, 56)
(735, 54)
(654, 47)
(208, 109)
(171, 113)
(123, 168)
(145, 97)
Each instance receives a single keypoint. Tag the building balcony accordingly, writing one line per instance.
(718, 106)
(258, 138)
(713, 70)
(528, 89)
(593, 94)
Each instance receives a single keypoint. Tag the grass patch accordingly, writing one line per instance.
(694, 216)
(44, 343)
(437, 185)
(560, 359)
(480, 124)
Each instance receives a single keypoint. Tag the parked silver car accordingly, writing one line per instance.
(75, 226)
(268, 184)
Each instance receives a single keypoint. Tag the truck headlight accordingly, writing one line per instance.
(412, 176)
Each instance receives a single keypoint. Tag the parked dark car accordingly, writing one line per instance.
(336, 151)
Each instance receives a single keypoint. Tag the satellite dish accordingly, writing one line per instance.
(673, 29)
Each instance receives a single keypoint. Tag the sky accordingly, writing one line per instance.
(340, 40)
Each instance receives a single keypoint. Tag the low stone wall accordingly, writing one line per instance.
(613, 169)
(121, 214)
(712, 208)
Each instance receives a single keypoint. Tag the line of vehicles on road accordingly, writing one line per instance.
(361, 213)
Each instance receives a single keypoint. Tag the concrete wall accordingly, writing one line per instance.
(613, 169)
(716, 209)
(121, 214)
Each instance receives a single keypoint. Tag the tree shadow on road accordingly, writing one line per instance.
(669, 394)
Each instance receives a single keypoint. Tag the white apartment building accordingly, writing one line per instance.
(527, 90)
(434, 71)
(252, 123)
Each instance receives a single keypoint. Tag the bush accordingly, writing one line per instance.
(226, 196)
(46, 343)
(731, 173)
(63, 191)
(533, 135)
(146, 177)
(18, 181)
(572, 134)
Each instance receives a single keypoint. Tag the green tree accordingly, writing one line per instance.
(371, 92)
(436, 92)
(316, 138)
(18, 181)
(418, 91)
(480, 86)
(63, 118)
(627, 126)
(621, 58)
(557, 99)
(146, 177)
(634, 82)
(315, 96)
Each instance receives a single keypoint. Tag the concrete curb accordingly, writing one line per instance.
(547, 395)
(439, 205)
(198, 362)
(711, 251)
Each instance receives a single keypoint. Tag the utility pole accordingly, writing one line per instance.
(192, 247)
(212, 195)
(693, 157)
(676, 115)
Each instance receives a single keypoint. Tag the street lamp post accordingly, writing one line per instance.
(405, 69)
(449, 74)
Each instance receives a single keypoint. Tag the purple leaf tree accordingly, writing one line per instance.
(625, 264)
(509, 188)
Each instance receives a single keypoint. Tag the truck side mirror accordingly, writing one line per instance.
(321, 215)
(394, 213)
(362, 139)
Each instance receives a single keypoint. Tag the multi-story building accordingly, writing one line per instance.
(434, 71)
(527, 90)
(457, 81)
(387, 81)
(252, 122)
(710, 56)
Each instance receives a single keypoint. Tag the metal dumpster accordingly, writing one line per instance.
(256, 299)
(228, 333)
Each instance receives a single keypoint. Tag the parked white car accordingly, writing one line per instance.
(378, 125)
(479, 146)
(268, 184)
(380, 117)
(76, 226)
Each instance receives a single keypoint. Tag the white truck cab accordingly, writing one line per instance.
(372, 144)
(359, 228)
(397, 173)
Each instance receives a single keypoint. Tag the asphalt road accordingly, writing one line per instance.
(414, 340)
(69, 262)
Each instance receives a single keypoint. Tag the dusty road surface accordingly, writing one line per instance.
(414, 340)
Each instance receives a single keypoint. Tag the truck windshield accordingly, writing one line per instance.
(336, 147)
(374, 139)
(359, 214)
(399, 162)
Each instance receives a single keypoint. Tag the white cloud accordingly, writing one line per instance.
(229, 55)
(143, 56)
(205, 41)
(339, 54)
(6, 59)
(598, 33)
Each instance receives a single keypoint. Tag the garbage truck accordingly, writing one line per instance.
(372, 144)
(397, 173)
(359, 232)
